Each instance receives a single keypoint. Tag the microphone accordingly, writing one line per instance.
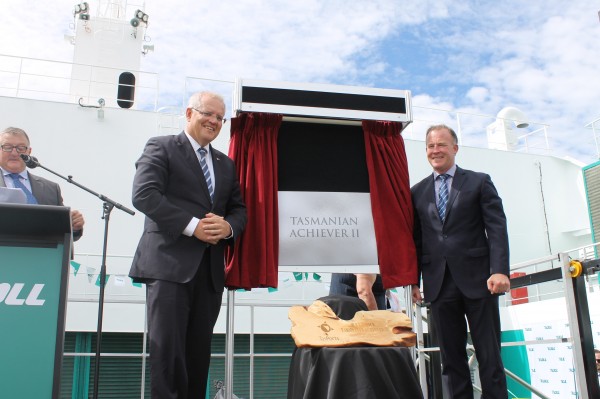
(31, 162)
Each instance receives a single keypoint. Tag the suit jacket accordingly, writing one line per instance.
(473, 241)
(46, 192)
(169, 188)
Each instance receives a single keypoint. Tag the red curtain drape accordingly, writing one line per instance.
(391, 202)
(253, 261)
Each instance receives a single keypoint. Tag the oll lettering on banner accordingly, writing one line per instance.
(11, 295)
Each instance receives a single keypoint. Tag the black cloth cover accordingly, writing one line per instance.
(353, 373)
(344, 306)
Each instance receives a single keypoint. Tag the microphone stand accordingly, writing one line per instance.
(107, 207)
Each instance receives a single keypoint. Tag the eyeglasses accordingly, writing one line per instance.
(8, 148)
(219, 118)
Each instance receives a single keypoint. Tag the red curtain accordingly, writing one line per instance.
(391, 203)
(253, 261)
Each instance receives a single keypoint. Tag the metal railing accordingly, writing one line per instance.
(559, 262)
(32, 78)
(421, 353)
(595, 126)
(229, 356)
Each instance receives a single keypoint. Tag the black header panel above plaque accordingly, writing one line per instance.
(311, 100)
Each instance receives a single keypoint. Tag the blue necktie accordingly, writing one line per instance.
(17, 183)
(443, 197)
(206, 172)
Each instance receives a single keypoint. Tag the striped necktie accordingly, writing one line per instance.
(443, 196)
(17, 183)
(206, 172)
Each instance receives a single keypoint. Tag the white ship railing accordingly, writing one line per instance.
(252, 355)
(421, 352)
(33, 78)
(595, 126)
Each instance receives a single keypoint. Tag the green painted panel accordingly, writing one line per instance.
(29, 307)
(515, 359)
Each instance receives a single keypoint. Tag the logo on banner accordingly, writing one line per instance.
(18, 295)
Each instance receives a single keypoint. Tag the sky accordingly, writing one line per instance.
(469, 58)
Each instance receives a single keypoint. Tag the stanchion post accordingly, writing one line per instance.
(421, 346)
(581, 331)
(229, 339)
(570, 298)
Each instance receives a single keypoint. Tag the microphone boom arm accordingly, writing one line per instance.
(107, 207)
(32, 162)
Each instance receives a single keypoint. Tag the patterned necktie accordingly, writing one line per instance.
(443, 198)
(17, 183)
(206, 172)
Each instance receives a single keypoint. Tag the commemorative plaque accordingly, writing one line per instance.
(318, 326)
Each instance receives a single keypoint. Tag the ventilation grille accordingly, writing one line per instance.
(591, 175)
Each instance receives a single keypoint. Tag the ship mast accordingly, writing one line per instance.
(109, 39)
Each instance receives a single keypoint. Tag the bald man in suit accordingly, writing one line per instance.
(14, 142)
(463, 258)
(190, 194)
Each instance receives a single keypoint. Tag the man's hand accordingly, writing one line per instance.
(498, 283)
(212, 228)
(77, 220)
(416, 294)
(364, 289)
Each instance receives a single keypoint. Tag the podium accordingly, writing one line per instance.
(35, 249)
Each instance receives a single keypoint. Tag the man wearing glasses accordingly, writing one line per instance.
(191, 197)
(13, 143)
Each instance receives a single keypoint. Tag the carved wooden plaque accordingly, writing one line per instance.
(318, 326)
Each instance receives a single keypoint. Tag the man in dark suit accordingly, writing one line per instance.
(191, 197)
(14, 142)
(462, 252)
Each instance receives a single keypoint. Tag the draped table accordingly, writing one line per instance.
(353, 373)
